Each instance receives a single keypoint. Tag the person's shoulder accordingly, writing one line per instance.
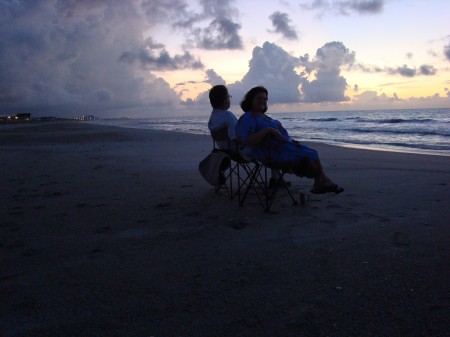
(229, 113)
(247, 115)
(221, 112)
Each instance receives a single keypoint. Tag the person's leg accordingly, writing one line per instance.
(323, 184)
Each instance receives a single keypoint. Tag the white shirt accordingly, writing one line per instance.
(221, 118)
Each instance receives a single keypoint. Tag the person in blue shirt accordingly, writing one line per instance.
(220, 117)
(271, 144)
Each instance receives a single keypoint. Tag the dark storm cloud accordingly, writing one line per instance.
(345, 7)
(154, 56)
(222, 28)
(63, 57)
(163, 10)
(281, 23)
(222, 33)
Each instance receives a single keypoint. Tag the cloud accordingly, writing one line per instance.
(427, 70)
(63, 58)
(447, 52)
(371, 99)
(328, 84)
(221, 32)
(274, 68)
(345, 7)
(213, 78)
(154, 56)
(281, 23)
(160, 11)
(403, 71)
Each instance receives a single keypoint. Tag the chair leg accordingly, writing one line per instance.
(251, 176)
(258, 180)
(286, 187)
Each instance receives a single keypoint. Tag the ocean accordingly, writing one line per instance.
(414, 130)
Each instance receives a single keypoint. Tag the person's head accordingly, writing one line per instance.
(255, 100)
(219, 97)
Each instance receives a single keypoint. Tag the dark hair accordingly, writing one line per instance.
(247, 100)
(217, 95)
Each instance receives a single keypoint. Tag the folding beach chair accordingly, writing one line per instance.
(259, 183)
(237, 174)
(244, 175)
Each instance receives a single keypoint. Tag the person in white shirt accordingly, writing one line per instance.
(220, 117)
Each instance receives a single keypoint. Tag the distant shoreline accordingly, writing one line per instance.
(35, 121)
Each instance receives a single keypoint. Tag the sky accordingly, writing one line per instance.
(154, 58)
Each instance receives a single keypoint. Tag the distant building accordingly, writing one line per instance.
(87, 118)
(24, 116)
(15, 119)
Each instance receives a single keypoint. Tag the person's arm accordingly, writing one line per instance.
(245, 130)
(257, 137)
(231, 124)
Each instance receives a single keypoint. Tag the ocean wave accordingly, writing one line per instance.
(392, 120)
(434, 147)
(420, 129)
(331, 119)
(401, 132)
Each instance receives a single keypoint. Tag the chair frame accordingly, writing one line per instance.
(238, 163)
(256, 175)
(260, 179)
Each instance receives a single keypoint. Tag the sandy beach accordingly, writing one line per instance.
(109, 231)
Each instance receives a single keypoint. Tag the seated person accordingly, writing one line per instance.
(267, 137)
(220, 117)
